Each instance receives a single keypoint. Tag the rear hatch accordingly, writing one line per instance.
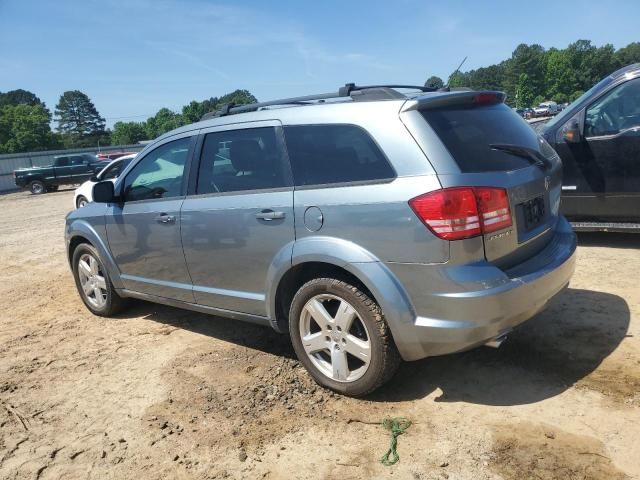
(512, 171)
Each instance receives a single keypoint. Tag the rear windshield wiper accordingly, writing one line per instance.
(534, 157)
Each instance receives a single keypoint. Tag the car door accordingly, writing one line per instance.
(602, 171)
(63, 169)
(143, 228)
(80, 170)
(612, 132)
(239, 216)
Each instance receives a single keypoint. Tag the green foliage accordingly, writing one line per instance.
(24, 128)
(524, 94)
(127, 133)
(79, 123)
(19, 97)
(554, 74)
(434, 82)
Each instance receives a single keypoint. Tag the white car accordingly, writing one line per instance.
(84, 193)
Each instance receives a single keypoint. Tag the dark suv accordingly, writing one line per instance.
(598, 139)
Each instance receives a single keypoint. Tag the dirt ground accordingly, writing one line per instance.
(164, 393)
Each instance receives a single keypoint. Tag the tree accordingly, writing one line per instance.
(529, 59)
(559, 74)
(79, 123)
(127, 133)
(434, 82)
(162, 122)
(19, 97)
(628, 55)
(24, 128)
(524, 95)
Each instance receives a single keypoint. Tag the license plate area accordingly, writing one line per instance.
(533, 213)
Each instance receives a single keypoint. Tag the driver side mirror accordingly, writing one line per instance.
(571, 132)
(103, 192)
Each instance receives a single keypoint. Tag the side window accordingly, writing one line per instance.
(159, 174)
(62, 162)
(112, 171)
(78, 160)
(322, 154)
(235, 160)
(616, 111)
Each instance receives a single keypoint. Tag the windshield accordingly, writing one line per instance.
(566, 112)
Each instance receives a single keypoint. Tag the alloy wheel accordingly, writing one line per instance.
(92, 280)
(335, 338)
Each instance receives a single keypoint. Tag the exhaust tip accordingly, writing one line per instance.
(497, 341)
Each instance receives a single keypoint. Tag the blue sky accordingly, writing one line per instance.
(134, 57)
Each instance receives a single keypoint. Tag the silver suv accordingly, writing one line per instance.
(371, 225)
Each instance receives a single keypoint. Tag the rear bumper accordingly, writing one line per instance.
(476, 303)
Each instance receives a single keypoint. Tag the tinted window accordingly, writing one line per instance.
(113, 170)
(616, 111)
(79, 160)
(468, 132)
(235, 160)
(159, 173)
(62, 162)
(321, 154)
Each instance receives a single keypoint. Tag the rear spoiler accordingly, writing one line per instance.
(459, 98)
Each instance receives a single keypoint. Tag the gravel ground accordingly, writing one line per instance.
(164, 393)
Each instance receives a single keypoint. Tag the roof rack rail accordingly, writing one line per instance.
(357, 92)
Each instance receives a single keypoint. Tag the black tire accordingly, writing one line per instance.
(384, 356)
(113, 303)
(36, 187)
(79, 201)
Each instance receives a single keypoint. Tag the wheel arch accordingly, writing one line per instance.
(316, 257)
(79, 232)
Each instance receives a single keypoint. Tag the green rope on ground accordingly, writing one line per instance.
(396, 426)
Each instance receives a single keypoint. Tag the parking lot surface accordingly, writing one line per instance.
(164, 393)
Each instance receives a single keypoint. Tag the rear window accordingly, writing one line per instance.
(323, 154)
(468, 132)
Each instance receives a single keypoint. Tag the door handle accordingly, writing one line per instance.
(164, 218)
(269, 215)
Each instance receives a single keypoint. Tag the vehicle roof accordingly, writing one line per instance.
(344, 110)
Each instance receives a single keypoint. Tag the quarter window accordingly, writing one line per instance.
(235, 160)
(323, 154)
(616, 111)
(159, 174)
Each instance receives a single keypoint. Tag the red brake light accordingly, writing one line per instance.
(493, 204)
(450, 214)
(484, 98)
(463, 212)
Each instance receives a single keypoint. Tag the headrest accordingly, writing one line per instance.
(245, 155)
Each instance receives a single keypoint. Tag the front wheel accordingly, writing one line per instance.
(37, 187)
(81, 201)
(340, 336)
(93, 282)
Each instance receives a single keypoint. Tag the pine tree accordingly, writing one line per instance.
(79, 122)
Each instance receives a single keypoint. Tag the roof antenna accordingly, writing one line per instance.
(446, 87)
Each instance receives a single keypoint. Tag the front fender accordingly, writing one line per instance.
(365, 266)
(96, 236)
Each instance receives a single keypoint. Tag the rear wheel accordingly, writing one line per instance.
(37, 187)
(93, 282)
(340, 336)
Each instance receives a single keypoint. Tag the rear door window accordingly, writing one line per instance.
(241, 160)
(469, 132)
(325, 154)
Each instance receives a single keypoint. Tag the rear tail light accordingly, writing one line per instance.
(463, 212)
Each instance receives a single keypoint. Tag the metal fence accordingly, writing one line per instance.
(14, 161)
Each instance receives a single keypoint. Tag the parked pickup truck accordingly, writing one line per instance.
(66, 170)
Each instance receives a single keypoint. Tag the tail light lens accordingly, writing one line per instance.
(463, 212)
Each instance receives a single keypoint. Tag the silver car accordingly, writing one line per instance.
(376, 226)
